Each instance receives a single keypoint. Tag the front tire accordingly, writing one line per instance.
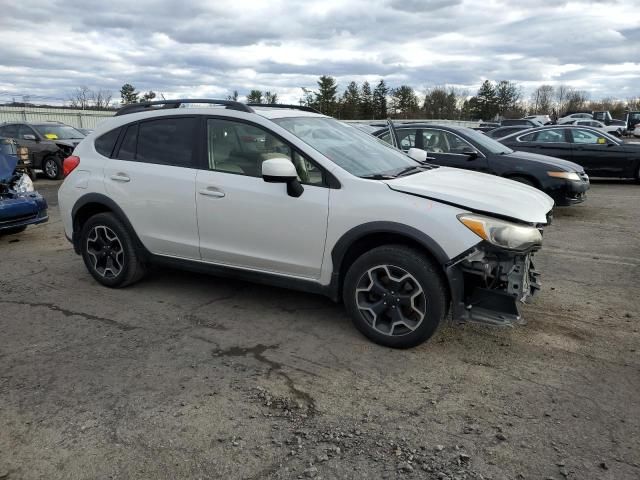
(52, 168)
(395, 296)
(109, 251)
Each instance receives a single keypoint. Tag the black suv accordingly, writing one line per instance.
(48, 142)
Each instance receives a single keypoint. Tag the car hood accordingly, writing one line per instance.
(564, 165)
(478, 192)
(7, 166)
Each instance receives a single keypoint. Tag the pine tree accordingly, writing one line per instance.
(350, 102)
(366, 102)
(326, 100)
(128, 94)
(380, 100)
(486, 104)
(404, 101)
(255, 96)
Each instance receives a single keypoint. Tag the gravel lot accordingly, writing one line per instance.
(189, 376)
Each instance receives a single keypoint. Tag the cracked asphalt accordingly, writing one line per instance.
(189, 376)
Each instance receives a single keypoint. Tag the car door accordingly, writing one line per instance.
(597, 154)
(553, 142)
(448, 149)
(27, 137)
(249, 223)
(152, 178)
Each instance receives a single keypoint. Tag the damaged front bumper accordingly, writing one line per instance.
(488, 284)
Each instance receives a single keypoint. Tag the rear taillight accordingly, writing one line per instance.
(69, 164)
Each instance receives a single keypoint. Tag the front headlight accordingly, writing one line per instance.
(501, 233)
(566, 175)
(24, 184)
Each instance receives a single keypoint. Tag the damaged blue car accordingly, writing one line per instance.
(20, 204)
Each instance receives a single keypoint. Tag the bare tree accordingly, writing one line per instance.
(80, 97)
(542, 99)
(101, 98)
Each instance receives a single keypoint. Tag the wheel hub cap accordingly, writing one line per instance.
(391, 300)
(105, 251)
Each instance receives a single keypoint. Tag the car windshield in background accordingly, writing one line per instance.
(357, 152)
(485, 142)
(59, 132)
(7, 147)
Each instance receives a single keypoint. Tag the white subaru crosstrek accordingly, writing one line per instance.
(287, 196)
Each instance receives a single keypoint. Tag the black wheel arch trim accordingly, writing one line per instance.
(351, 236)
(98, 198)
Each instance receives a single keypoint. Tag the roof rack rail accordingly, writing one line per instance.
(148, 106)
(284, 105)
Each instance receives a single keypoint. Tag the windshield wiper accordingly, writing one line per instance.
(378, 176)
(412, 169)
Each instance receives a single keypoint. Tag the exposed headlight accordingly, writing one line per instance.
(501, 233)
(24, 184)
(566, 175)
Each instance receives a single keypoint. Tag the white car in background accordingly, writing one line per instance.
(543, 119)
(573, 117)
(616, 130)
(636, 131)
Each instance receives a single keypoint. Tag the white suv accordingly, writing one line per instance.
(287, 196)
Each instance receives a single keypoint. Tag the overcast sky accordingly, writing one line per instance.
(209, 48)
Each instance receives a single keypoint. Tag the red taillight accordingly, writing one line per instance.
(69, 164)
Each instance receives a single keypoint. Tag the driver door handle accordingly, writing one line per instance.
(211, 192)
(120, 177)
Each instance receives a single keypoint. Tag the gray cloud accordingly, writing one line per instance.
(212, 48)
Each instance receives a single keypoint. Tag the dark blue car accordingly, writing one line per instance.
(20, 204)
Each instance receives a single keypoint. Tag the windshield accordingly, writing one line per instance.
(7, 147)
(486, 142)
(357, 152)
(58, 132)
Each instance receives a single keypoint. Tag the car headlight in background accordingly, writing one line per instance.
(24, 184)
(500, 232)
(566, 175)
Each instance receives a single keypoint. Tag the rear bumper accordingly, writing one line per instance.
(488, 286)
(22, 210)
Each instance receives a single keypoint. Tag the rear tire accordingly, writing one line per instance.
(395, 296)
(109, 251)
(52, 168)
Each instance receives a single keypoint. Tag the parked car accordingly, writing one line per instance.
(575, 116)
(319, 206)
(632, 119)
(504, 131)
(543, 119)
(509, 122)
(461, 147)
(486, 126)
(636, 130)
(605, 117)
(601, 154)
(610, 129)
(48, 143)
(20, 204)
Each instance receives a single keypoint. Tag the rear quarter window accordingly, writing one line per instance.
(105, 143)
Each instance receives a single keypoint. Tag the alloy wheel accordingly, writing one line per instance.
(51, 168)
(105, 251)
(391, 300)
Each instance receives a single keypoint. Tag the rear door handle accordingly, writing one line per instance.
(211, 192)
(120, 177)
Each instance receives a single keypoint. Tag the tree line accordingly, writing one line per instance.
(493, 100)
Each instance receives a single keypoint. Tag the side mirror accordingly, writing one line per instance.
(418, 154)
(471, 152)
(29, 136)
(282, 170)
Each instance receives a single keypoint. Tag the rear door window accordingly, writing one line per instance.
(105, 143)
(127, 150)
(167, 141)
